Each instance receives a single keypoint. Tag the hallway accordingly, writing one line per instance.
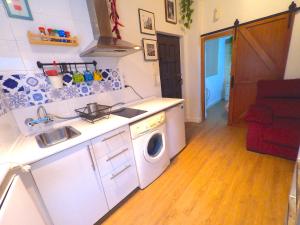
(214, 181)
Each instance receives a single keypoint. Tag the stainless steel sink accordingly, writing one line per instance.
(56, 136)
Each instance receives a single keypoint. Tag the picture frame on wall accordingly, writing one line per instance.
(171, 11)
(18, 9)
(150, 49)
(147, 22)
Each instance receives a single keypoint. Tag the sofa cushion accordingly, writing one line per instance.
(288, 123)
(278, 88)
(279, 150)
(282, 136)
(259, 114)
(282, 107)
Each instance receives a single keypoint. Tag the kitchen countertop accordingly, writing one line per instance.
(27, 151)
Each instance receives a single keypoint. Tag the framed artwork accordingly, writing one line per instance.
(147, 22)
(150, 49)
(18, 9)
(171, 13)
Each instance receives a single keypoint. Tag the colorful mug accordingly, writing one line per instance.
(97, 75)
(78, 77)
(88, 76)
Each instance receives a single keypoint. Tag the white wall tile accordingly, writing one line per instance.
(85, 36)
(79, 10)
(44, 53)
(56, 22)
(20, 27)
(10, 58)
(53, 8)
(6, 33)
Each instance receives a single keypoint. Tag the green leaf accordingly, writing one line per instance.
(186, 12)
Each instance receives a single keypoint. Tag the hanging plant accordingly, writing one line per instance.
(186, 12)
(114, 16)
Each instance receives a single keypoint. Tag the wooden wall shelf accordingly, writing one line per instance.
(36, 39)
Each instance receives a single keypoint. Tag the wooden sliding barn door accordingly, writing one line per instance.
(260, 51)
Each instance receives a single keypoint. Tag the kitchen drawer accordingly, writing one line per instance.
(115, 159)
(112, 141)
(120, 183)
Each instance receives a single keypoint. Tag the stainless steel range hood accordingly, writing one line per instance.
(104, 43)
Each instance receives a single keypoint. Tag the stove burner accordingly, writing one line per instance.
(128, 112)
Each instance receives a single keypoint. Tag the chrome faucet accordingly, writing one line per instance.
(41, 109)
(42, 117)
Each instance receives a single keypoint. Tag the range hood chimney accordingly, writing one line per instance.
(104, 43)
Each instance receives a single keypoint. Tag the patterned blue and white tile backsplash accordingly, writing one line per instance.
(3, 108)
(24, 90)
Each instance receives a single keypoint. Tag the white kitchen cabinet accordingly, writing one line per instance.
(70, 188)
(115, 161)
(18, 207)
(176, 140)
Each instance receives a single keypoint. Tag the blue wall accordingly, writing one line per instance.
(215, 84)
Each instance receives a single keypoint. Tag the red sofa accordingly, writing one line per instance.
(274, 120)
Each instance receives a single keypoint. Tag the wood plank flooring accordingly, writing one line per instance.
(214, 181)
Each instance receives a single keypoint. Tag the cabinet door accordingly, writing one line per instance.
(115, 160)
(120, 183)
(18, 207)
(69, 187)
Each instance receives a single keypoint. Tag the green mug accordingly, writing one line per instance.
(78, 77)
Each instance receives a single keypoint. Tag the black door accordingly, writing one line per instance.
(169, 64)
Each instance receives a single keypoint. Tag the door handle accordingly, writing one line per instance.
(180, 81)
(115, 155)
(106, 139)
(91, 157)
(232, 82)
(119, 172)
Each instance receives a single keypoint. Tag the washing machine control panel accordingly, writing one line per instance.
(147, 124)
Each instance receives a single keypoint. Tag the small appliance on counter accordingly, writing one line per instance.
(128, 112)
(93, 112)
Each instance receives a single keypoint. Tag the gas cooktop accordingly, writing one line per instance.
(128, 112)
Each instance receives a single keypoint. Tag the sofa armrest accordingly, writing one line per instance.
(259, 114)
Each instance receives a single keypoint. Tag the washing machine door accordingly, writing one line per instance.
(155, 147)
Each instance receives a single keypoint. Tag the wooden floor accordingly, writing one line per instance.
(214, 181)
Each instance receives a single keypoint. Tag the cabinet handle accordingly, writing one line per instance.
(91, 157)
(115, 155)
(119, 172)
(105, 139)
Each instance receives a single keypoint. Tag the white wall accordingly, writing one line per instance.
(191, 66)
(18, 56)
(215, 83)
(247, 10)
(293, 66)
(145, 75)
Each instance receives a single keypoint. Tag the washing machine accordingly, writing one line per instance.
(149, 146)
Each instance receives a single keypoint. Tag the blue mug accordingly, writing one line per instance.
(88, 76)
